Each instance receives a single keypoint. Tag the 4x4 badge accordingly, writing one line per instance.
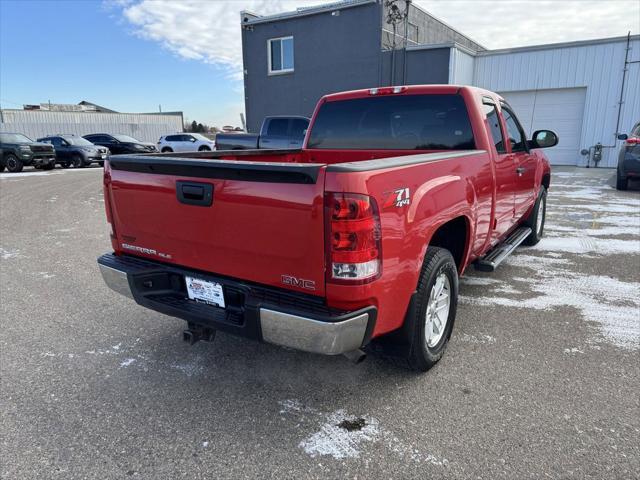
(400, 197)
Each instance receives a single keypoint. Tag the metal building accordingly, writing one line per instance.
(35, 123)
(586, 91)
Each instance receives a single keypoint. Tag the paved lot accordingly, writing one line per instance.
(541, 379)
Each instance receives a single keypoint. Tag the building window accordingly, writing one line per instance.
(280, 55)
(413, 32)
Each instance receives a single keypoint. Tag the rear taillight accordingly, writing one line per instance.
(353, 247)
(632, 141)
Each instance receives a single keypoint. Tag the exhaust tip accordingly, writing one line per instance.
(355, 356)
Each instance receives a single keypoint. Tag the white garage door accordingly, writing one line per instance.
(559, 110)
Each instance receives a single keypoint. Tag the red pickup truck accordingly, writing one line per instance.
(358, 238)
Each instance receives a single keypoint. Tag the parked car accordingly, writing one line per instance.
(76, 151)
(628, 158)
(18, 150)
(119, 144)
(185, 142)
(276, 133)
(356, 239)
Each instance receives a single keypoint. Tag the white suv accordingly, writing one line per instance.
(185, 142)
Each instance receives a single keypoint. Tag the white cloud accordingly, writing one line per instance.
(209, 31)
(513, 23)
(206, 31)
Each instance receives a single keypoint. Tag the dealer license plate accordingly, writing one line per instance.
(205, 292)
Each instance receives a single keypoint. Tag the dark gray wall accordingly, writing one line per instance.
(423, 66)
(331, 54)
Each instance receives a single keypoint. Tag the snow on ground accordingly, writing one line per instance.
(341, 435)
(581, 221)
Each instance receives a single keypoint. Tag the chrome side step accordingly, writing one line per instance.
(495, 257)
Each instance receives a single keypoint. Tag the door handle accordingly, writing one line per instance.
(520, 171)
(199, 194)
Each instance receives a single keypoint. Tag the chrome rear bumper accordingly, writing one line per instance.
(335, 336)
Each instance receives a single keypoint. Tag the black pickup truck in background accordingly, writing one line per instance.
(277, 132)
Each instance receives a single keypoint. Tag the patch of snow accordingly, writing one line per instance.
(476, 339)
(46, 275)
(609, 246)
(205, 444)
(7, 254)
(338, 442)
(127, 362)
(572, 351)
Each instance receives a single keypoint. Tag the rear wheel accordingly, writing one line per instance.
(423, 339)
(204, 148)
(13, 163)
(166, 150)
(536, 219)
(622, 182)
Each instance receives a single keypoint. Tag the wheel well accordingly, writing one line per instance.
(546, 180)
(453, 237)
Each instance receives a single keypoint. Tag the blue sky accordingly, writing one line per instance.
(132, 55)
(80, 50)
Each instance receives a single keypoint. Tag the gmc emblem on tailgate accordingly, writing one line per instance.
(298, 282)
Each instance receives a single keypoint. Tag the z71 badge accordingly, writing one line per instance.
(397, 198)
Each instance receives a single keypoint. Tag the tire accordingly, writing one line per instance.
(13, 163)
(101, 164)
(77, 161)
(535, 221)
(166, 150)
(65, 164)
(410, 347)
(622, 183)
(204, 148)
(2, 167)
(49, 166)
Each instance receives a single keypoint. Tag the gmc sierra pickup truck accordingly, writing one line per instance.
(275, 133)
(356, 239)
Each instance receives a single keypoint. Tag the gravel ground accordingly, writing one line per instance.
(540, 380)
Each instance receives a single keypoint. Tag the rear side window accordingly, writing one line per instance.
(278, 127)
(394, 122)
(172, 138)
(298, 127)
(494, 127)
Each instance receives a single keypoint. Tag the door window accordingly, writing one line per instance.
(514, 131)
(494, 127)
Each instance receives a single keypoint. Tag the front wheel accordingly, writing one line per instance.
(536, 219)
(65, 164)
(77, 161)
(13, 163)
(204, 148)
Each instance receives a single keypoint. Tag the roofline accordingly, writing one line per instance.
(172, 114)
(303, 12)
(547, 46)
(434, 46)
(447, 25)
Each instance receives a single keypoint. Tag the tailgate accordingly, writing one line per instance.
(254, 221)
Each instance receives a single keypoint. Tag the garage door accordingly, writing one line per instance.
(559, 110)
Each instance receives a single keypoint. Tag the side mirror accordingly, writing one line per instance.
(543, 139)
(623, 136)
